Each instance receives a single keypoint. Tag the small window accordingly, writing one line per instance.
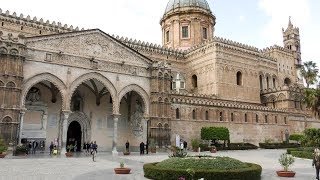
(276, 119)
(21, 28)
(2, 24)
(274, 82)
(182, 85)
(261, 84)
(285, 120)
(232, 117)
(48, 57)
(185, 31)
(40, 32)
(239, 78)
(220, 116)
(207, 115)
(194, 114)
(174, 85)
(167, 36)
(205, 33)
(245, 118)
(257, 118)
(267, 82)
(194, 81)
(266, 118)
(177, 113)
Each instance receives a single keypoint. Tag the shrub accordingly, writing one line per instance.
(305, 149)
(219, 133)
(296, 137)
(21, 150)
(238, 146)
(3, 147)
(195, 143)
(278, 145)
(302, 154)
(252, 172)
(177, 152)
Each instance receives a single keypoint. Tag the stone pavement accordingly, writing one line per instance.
(44, 167)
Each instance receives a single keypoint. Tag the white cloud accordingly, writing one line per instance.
(242, 18)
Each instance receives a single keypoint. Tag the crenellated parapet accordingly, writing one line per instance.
(37, 23)
(275, 48)
(155, 48)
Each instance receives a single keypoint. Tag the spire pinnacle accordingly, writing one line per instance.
(290, 24)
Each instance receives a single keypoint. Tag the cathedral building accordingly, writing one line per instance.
(69, 86)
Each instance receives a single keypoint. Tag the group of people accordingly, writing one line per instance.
(90, 147)
(143, 147)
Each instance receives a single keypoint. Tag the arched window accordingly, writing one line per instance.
(177, 113)
(220, 116)
(239, 78)
(266, 118)
(167, 135)
(274, 82)
(285, 120)
(267, 82)
(245, 118)
(257, 118)
(194, 114)
(232, 117)
(207, 115)
(159, 135)
(261, 85)
(171, 84)
(287, 81)
(194, 81)
(276, 119)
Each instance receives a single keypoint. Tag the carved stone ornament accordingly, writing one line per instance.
(34, 95)
(136, 120)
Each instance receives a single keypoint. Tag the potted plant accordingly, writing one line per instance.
(69, 148)
(21, 150)
(213, 149)
(195, 145)
(3, 148)
(122, 169)
(285, 161)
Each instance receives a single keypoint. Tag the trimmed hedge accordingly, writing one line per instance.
(253, 172)
(278, 145)
(302, 154)
(232, 146)
(219, 133)
(296, 137)
(306, 149)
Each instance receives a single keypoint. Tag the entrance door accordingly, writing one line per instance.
(74, 135)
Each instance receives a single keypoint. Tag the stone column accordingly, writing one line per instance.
(64, 131)
(145, 129)
(115, 134)
(22, 112)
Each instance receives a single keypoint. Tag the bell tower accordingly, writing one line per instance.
(291, 41)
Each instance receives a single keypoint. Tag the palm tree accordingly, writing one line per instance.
(309, 71)
(311, 99)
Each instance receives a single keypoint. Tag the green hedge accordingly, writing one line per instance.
(253, 172)
(219, 133)
(278, 145)
(232, 146)
(306, 149)
(302, 154)
(296, 137)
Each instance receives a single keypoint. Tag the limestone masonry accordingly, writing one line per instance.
(68, 86)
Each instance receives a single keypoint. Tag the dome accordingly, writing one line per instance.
(174, 4)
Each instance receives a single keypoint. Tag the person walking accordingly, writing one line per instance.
(147, 147)
(51, 148)
(34, 147)
(127, 146)
(185, 145)
(87, 148)
(141, 148)
(316, 161)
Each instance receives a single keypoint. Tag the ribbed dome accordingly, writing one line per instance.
(173, 4)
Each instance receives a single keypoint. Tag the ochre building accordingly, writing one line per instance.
(69, 86)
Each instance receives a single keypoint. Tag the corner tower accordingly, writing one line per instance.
(187, 23)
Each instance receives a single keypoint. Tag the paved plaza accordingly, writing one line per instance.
(43, 167)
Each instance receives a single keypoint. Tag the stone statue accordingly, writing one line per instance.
(136, 119)
(34, 95)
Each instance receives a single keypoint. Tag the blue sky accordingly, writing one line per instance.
(255, 22)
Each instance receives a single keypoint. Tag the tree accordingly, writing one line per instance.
(311, 99)
(310, 71)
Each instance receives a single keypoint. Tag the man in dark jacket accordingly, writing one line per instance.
(141, 148)
(127, 146)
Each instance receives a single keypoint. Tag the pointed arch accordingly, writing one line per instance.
(136, 88)
(90, 76)
(27, 84)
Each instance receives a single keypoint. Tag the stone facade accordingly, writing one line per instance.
(69, 86)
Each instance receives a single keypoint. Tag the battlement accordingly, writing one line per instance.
(35, 23)
(274, 48)
(141, 45)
